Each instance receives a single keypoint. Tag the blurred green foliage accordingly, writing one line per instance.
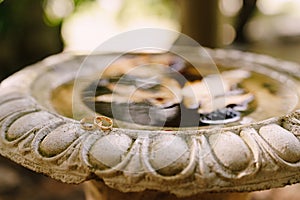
(31, 30)
(69, 6)
(158, 8)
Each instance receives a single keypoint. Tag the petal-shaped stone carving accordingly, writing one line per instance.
(15, 106)
(26, 123)
(286, 145)
(231, 150)
(109, 150)
(59, 139)
(169, 154)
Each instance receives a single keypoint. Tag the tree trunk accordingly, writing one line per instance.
(200, 21)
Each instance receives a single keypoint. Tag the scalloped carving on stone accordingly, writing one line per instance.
(184, 162)
(27, 123)
(286, 145)
(168, 155)
(292, 123)
(109, 150)
(224, 146)
(59, 139)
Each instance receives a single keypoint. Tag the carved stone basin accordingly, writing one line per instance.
(49, 123)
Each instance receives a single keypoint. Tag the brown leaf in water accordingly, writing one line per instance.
(167, 94)
(216, 92)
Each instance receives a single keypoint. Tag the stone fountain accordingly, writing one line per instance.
(59, 122)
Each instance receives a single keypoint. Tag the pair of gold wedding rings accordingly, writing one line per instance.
(99, 122)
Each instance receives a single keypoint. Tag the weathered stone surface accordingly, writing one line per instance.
(169, 154)
(26, 123)
(230, 150)
(15, 106)
(109, 150)
(282, 141)
(59, 139)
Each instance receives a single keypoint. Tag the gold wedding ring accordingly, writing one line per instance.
(104, 123)
(101, 122)
(87, 124)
